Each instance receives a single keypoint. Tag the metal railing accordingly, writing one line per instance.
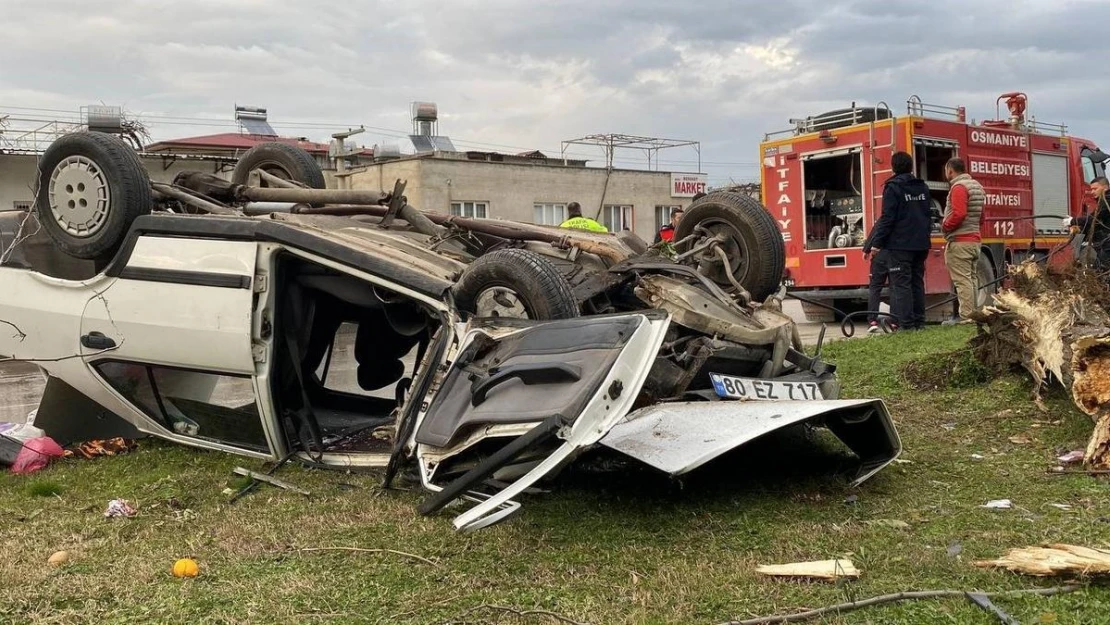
(1047, 128)
(916, 108)
(31, 136)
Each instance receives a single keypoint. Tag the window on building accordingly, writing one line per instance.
(209, 406)
(22, 205)
(470, 209)
(617, 217)
(663, 215)
(549, 214)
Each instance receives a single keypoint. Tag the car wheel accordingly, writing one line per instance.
(91, 187)
(516, 284)
(285, 161)
(752, 241)
(985, 271)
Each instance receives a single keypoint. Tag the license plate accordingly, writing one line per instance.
(732, 387)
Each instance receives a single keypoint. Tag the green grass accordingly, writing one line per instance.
(42, 488)
(604, 547)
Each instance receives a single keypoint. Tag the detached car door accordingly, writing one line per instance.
(172, 337)
(557, 386)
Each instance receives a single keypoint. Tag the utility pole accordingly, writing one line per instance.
(338, 152)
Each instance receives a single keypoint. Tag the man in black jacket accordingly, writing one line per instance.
(1096, 225)
(904, 231)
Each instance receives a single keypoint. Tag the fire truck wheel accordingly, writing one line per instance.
(91, 186)
(282, 160)
(517, 284)
(986, 276)
(752, 241)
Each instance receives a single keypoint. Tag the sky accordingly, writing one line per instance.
(517, 75)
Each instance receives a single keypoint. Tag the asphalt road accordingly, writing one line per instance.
(21, 384)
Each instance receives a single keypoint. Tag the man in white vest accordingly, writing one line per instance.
(961, 226)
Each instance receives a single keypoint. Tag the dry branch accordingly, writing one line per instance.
(361, 550)
(522, 613)
(894, 598)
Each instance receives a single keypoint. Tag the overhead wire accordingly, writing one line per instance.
(196, 121)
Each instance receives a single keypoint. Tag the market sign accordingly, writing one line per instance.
(687, 185)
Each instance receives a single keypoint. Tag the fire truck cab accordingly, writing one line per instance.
(823, 181)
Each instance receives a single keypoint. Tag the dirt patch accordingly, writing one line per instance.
(959, 369)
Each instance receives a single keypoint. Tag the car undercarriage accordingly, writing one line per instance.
(486, 354)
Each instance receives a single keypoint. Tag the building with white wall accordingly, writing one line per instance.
(534, 188)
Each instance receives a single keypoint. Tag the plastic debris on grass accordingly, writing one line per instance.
(120, 508)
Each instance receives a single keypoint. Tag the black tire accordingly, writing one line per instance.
(843, 117)
(91, 187)
(282, 160)
(755, 244)
(537, 285)
(985, 271)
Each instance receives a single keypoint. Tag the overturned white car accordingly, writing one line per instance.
(485, 355)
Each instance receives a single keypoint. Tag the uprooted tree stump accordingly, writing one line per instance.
(1054, 324)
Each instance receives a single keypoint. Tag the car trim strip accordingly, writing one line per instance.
(177, 276)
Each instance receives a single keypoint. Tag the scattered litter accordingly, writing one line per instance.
(93, 449)
(949, 426)
(977, 457)
(1020, 440)
(891, 523)
(998, 504)
(58, 558)
(186, 567)
(1055, 559)
(120, 508)
(35, 454)
(820, 569)
(1071, 457)
(955, 549)
(21, 432)
(851, 499)
(903, 461)
(1061, 506)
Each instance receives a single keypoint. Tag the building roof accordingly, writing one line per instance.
(236, 142)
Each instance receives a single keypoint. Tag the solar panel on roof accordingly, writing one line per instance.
(422, 143)
(257, 127)
(443, 144)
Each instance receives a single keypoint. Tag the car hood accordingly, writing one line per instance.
(679, 437)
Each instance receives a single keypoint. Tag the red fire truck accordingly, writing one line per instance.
(823, 182)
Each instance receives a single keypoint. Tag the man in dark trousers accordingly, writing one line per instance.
(1096, 225)
(877, 280)
(903, 231)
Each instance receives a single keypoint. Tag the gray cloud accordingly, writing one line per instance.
(518, 74)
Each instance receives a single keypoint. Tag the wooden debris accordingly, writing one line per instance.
(1056, 559)
(820, 569)
(1055, 324)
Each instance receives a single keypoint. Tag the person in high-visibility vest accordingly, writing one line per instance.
(666, 233)
(577, 221)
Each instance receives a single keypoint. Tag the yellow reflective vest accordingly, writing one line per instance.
(583, 223)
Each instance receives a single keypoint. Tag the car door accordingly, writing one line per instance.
(562, 383)
(171, 336)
